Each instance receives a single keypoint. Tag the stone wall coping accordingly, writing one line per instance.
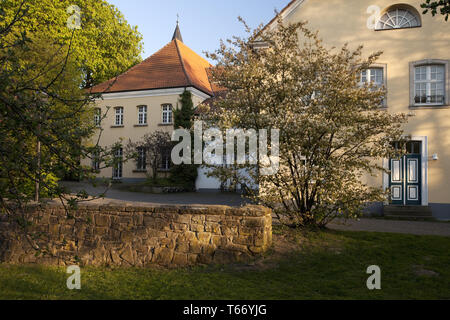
(123, 207)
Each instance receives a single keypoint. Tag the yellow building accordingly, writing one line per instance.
(415, 67)
(142, 101)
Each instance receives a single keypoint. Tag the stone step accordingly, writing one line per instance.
(408, 211)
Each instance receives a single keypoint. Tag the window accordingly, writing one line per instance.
(119, 116)
(118, 167)
(410, 147)
(375, 76)
(167, 115)
(399, 17)
(429, 85)
(142, 159)
(97, 116)
(142, 115)
(96, 161)
(165, 159)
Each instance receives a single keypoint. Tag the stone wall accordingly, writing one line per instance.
(127, 235)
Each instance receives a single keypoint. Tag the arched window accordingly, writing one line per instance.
(399, 17)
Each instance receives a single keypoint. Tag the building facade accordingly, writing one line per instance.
(142, 101)
(415, 68)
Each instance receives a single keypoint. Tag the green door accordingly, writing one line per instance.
(405, 179)
(396, 181)
(413, 179)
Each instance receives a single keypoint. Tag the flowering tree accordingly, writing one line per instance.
(333, 130)
(155, 146)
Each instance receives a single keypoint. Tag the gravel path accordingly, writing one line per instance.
(395, 226)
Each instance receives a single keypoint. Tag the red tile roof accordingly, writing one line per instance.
(174, 66)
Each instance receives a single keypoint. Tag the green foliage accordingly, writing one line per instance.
(440, 6)
(45, 115)
(184, 174)
(49, 185)
(104, 47)
(183, 117)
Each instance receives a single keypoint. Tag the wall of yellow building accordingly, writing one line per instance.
(131, 129)
(345, 21)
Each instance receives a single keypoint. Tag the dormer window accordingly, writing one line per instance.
(399, 17)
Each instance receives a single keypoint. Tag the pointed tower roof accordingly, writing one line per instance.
(177, 33)
(173, 66)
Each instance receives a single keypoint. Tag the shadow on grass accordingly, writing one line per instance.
(303, 264)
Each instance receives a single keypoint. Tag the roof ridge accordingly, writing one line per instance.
(188, 78)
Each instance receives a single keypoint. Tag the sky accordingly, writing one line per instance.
(202, 22)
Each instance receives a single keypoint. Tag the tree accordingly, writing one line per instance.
(332, 130)
(443, 6)
(184, 174)
(156, 146)
(105, 44)
(44, 114)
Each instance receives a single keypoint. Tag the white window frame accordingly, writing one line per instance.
(369, 76)
(165, 160)
(97, 117)
(428, 63)
(383, 68)
(141, 163)
(96, 161)
(142, 115)
(119, 116)
(428, 84)
(393, 12)
(167, 114)
(118, 170)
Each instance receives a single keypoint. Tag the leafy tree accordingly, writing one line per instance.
(44, 114)
(105, 45)
(441, 6)
(156, 146)
(184, 174)
(332, 130)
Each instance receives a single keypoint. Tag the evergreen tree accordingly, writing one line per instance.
(184, 175)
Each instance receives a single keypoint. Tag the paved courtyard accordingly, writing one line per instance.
(201, 198)
(232, 199)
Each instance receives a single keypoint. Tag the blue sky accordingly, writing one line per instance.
(202, 22)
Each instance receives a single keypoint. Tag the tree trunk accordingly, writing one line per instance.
(38, 171)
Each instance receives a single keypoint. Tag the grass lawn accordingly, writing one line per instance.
(302, 265)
